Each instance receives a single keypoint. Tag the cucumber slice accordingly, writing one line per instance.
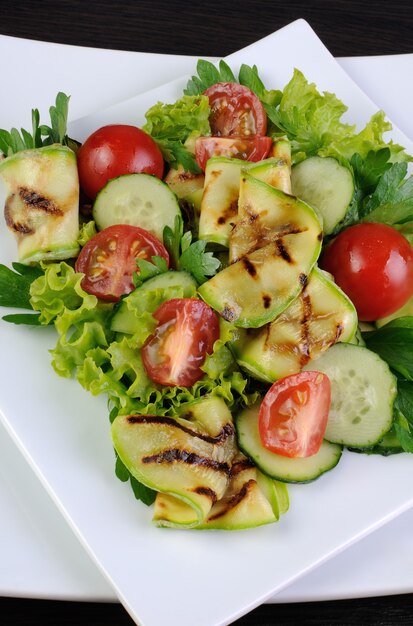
(326, 185)
(363, 390)
(282, 468)
(390, 444)
(137, 199)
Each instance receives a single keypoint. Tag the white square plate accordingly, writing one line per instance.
(167, 576)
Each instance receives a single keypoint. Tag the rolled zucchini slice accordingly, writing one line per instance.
(188, 456)
(275, 171)
(318, 318)
(42, 202)
(219, 204)
(251, 500)
(280, 245)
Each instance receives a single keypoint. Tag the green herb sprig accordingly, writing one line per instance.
(41, 135)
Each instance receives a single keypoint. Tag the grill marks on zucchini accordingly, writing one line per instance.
(245, 503)
(43, 216)
(191, 458)
(274, 244)
(219, 205)
(319, 317)
(226, 431)
(199, 444)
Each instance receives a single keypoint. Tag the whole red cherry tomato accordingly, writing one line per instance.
(108, 259)
(186, 332)
(294, 413)
(373, 264)
(115, 150)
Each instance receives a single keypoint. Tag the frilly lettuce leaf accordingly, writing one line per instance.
(87, 231)
(312, 122)
(177, 121)
(370, 139)
(107, 362)
(59, 290)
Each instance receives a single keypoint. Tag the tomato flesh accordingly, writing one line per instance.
(245, 148)
(108, 259)
(373, 264)
(186, 332)
(294, 413)
(115, 150)
(235, 111)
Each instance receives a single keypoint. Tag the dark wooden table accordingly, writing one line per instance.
(348, 28)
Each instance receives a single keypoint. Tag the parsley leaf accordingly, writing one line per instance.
(199, 263)
(175, 153)
(15, 141)
(403, 409)
(394, 344)
(248, 76)
(368, 171)
(392, 200)
(148, 269)
(15, 285)
(141, 492)
(172, 239)
(189, 256)
(208, 75)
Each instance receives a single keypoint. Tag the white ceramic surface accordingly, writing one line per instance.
(101, 590)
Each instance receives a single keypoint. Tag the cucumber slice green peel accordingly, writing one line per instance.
(282, 468)
(363, 391)
(139, 200)
(325, 184)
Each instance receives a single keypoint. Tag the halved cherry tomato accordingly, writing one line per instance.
(108, 259)
(246, 148)
(373, 264)
(235, 111)
(115, 150)
(293, 415)
(186, 332)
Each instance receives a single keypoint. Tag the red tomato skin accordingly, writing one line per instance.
(108, 259)
(247, 148)
(294, 413)
(373, 265)
(235, 110)
(186, 332)
(115, 150)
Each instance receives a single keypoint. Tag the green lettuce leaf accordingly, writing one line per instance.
(58, 290)
(172, 124)
(370, 138)
(177, 121)
(311, 121)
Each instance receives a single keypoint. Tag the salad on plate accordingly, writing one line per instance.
(236, 276)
